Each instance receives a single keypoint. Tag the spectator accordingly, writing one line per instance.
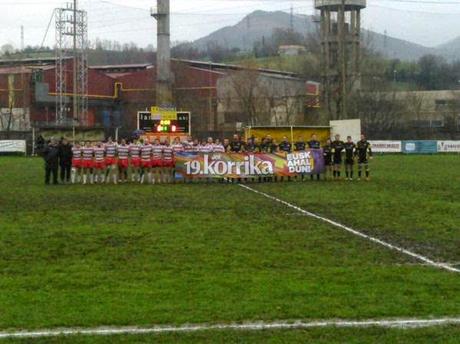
(51, 157)
(39, 144)
(65, 160)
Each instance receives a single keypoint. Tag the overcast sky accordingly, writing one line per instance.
(430, 23)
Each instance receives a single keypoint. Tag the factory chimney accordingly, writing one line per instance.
(163, 64)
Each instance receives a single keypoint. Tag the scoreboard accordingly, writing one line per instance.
(164, 122)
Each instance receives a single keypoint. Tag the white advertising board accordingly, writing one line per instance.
(448, 146)
(13, 146)
(386, 146)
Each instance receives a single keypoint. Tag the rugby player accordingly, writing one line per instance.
(300, 145)
(337, 150)
(135, 161)
(168, 162)
(87, 162)
(218, 147)
(177, 146)
(364, 153)
(285, 145)
(236, 146)
(314, 144)
(99, 163)
(76, 163)
(123, 161)
(226, 145)
(146, 162)
(252, 146)
(157, 161)
(110, 160)
(188, 144)
(350, 149)
(328, 163)
(207, 146)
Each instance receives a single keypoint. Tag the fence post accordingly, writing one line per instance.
(33, 141)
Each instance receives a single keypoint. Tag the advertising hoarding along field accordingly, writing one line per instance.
(448, 146)
(13, 146)
(386, 146)
(248, 165)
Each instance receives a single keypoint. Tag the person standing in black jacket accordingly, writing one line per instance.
(51, 157)
(65, 160)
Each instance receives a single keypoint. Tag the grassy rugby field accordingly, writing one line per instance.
(85, 256)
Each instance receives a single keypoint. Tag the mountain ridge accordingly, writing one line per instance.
(259, 24)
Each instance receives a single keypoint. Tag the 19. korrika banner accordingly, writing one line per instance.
(248, 165)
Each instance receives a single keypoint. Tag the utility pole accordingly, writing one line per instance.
(343, 53)
(22, 38)
(74, 64)
(291, 20)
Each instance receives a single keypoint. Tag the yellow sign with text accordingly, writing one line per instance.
(163, 114)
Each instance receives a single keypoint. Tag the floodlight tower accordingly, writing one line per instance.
(341, 49)
(164, 76)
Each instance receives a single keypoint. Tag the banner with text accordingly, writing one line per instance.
(246, 165)
(386, 146)
(12, 146)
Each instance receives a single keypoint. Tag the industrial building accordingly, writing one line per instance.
(117, 92)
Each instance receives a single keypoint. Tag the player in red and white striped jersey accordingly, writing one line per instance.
(157, 161)
(123, 161)
(177, 146)
(207, 147)
(99, 162)
(218, 147)
(135, 160)
(111, 160)
(168, 162)
(188, 145)
(146, 161)
(76, 163)
(87, 162)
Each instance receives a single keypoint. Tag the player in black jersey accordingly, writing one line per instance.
(364, 154)
(327, 153)
(285, 145)
(337, 149)
(237, 145)
(300, 145)
(314, 144)
(350, 149)
(252, 146)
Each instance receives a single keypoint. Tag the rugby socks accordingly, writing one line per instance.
(334, 173)
(347, 174)
(73, 175)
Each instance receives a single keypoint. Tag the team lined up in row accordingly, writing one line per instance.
(156, 160)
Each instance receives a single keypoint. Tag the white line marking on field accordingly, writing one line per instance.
(247, 326)
(355, 232)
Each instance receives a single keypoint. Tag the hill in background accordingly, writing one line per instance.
(261, 24)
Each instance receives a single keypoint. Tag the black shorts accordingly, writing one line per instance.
(328, 162)
(337, 161)
(349, 161)
(363, 161)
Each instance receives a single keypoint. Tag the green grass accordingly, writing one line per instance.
(142, 255)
